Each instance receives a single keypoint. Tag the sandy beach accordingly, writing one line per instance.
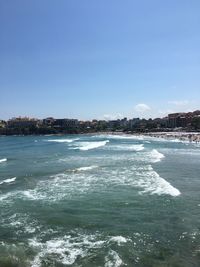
(182, 136)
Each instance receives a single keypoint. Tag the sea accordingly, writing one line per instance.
(99, 201)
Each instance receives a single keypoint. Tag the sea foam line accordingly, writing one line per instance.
(91, 145)
(9, 180)
(86, 168)
(62, 140)
(3, 160)
(156, 156)
(115, 136)
(154, 184)
(145, 178)
(137, 147)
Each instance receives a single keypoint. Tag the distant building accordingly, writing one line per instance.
(48, 121)
(66, 123)
(23, 122)
(114, 124)
(161, 122)
(124, 123)
(181, 119)
(2, 124)
(174, 119)
(133, 123)
(196, 113)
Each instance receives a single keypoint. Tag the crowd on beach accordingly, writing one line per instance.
(182, 136)
(193, 137)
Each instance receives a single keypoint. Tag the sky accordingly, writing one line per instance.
(91, 59)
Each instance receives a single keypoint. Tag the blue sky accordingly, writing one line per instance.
(99, 59)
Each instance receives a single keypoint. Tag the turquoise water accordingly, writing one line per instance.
(103, 200)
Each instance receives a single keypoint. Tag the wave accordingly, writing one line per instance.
(115, 136)
(161, 187)
(67, 248)
(152, 183)
(60, 186)
(119, 239)
(156, 156)
(113, 259)
(34, 194)
(3, 160)
(9, 180)
(21, 222)
(138, 147)
(144, 178)
(86, 168)
(70, 248)
(62, 140)
(91, 145)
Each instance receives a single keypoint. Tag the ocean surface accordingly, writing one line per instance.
(99, 200)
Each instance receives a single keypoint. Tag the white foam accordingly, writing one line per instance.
(21, 222)
(113, 259)
(143, 177)
(64, 250)
(5, 196)
(156, 156)
(152, 183)
(86, 168)
(62, 140)
(3, 160)
(115, 136)
(91, 145)
(125, 147)
(137, 147)
(119, 239)
(9, 180)
(60, 186)
(34, 194)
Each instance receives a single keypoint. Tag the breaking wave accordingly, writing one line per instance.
(91, 145)
(145, 178)
(69, 249)
(3, 160)
(156, 156)
(86, 168)
(119, 240)
(113, 259)
(138, 147)
(115, 136)
(65, 250)
(9, 180)
(152, 183)
(62, 140)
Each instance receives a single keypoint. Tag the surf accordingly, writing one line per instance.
(62, 140)
(9, 180)
(3, 160)
(84, 146)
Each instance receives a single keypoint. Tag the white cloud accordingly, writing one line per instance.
(179, 102)
(142, 108)
(108, 117)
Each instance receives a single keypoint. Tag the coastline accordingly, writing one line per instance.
(193, 137)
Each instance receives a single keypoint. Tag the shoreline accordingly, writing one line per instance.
(181, 136)
(193, 137)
